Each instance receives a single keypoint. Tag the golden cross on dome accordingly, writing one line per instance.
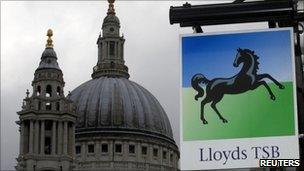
(111, 9)
(49, 41)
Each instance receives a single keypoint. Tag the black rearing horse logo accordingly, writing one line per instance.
(246, 79)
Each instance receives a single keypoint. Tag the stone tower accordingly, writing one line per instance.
(47, 119)
(110, 48)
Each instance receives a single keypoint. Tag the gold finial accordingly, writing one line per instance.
(49, 41)
(111, 9)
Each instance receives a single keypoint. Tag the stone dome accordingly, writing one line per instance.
(49, 52)
(120, 125)
(118, 104)
(111, 19)
(48, 59)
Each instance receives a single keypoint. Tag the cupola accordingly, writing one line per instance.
(110, 48)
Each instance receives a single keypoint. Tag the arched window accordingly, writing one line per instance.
(104, 148)
(58, 91)
(78, 149)
(112, 48)
(38, 90)
(91, 148)
(48, 125)
(48, 91)
(48, 106)
(118, 148)
(47, 145)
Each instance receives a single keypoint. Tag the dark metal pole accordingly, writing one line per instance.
(227, 13)
(300, 96)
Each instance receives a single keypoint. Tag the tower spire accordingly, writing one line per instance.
(47, 119)
(111, 9)
(49, 56)
(110, 48)
(49, 42)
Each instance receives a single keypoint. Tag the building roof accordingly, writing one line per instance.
(48, 59)
(49, 56)
(106, 103)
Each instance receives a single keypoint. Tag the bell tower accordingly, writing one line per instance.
(47, 119)
(110, 48)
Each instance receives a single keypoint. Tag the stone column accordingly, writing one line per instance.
(65, 137)
(119, 50)
(97, 149)
(150, 153)
(36, 144)
(116, 50)
(42, 138)
(31, 137)
(43, 87)
(108, 50)
(69, 149)
(138, 151)
(59, 148)
(54, 138)
(160, 153)
(83, 150)
(73, 140)
(21, 143)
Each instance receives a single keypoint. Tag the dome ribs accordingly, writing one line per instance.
(82, 105)
(92, 104)
(130, 109)
(134, 103)
(116, 103)
(87, 106)
(117, 111)
(106, 101)
(95, 104)
(101, 102)
(156, 115)
(140, 108)
(167, 126)
(127, 108)
(146, 108)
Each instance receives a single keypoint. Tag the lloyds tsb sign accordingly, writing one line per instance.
(238, 99)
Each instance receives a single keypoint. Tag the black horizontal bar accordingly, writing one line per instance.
(227, 13)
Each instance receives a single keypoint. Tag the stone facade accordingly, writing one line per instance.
(123, 152)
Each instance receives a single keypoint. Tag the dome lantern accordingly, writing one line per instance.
(110, 48)
(49, 56)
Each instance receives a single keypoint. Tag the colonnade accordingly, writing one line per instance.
(33, 134)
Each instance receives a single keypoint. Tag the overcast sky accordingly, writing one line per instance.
(151, 52)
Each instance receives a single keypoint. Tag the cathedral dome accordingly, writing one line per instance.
(118, 104)
(120, 125)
